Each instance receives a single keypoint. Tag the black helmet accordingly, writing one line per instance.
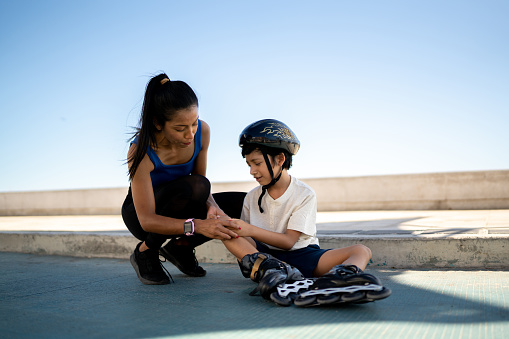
(270, 133)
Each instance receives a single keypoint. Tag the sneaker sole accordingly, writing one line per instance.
(143, 280)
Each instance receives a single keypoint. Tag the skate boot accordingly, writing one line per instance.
(343, 284)
(269, 273)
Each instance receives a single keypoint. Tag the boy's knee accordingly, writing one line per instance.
(364, 250)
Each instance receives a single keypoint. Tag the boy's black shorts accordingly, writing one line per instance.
(304, 259)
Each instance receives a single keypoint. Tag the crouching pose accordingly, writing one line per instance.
(277, 245)
(169, 196)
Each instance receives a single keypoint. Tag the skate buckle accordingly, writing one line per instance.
(347, 289)
(286, 289)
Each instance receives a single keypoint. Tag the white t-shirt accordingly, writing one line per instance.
(294, 210)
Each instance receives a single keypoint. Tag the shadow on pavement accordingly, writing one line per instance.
(76, 297)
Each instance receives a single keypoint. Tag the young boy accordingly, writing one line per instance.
(277, 241)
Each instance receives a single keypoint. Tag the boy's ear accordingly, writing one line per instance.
(281, 159)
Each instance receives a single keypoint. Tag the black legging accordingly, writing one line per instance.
(181, 198)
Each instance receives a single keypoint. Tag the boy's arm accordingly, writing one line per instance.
(285, 241)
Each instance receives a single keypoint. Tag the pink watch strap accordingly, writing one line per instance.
(192, 223)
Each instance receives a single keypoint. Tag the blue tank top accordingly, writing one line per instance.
(163, 173)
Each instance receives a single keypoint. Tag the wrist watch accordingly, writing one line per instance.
(189, 227)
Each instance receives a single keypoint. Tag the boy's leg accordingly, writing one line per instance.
(240, 247)
(268, 271)
(358, 255)
(345, 281)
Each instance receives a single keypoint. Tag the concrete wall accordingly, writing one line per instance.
(434, 191)
(68, 202)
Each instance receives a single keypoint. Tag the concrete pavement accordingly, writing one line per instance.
(70, 297)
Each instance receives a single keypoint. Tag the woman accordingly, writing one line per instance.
(169, 195)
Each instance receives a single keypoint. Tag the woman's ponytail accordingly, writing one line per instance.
(163, 98)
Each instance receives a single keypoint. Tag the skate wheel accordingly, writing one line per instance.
(281, 301)
(377, 295)
(305, 301)
(328, 299)
(352, 297)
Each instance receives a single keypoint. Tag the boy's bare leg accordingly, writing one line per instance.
(240, 247)
(358, 255)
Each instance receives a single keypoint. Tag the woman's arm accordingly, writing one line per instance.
(144, 202)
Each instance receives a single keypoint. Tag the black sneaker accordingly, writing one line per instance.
(148, 267)
(183, 257)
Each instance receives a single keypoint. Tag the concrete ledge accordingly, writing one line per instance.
(433, 191)
(462, 251)
(405, 252)
(431, 252)
(76, 244)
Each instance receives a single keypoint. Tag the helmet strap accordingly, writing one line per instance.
(271, 183)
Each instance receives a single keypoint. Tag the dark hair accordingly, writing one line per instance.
(163, 98)
(272, 151)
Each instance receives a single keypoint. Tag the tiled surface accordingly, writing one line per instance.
(64, 297)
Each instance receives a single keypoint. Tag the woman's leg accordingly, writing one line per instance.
(184, 198)
(173, 199)
(181, 198)
(131, 219)
(145, 262)
(230, 202)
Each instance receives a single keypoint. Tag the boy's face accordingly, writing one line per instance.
(258, 167)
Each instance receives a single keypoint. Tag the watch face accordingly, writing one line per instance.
(188, 227)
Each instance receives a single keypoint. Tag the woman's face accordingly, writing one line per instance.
(180, 130)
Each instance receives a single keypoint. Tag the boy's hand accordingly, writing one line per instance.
(242, 228)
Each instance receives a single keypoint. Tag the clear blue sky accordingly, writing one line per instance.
(369, 87)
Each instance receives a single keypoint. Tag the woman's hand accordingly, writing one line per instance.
(214, 212)
(215, 228)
